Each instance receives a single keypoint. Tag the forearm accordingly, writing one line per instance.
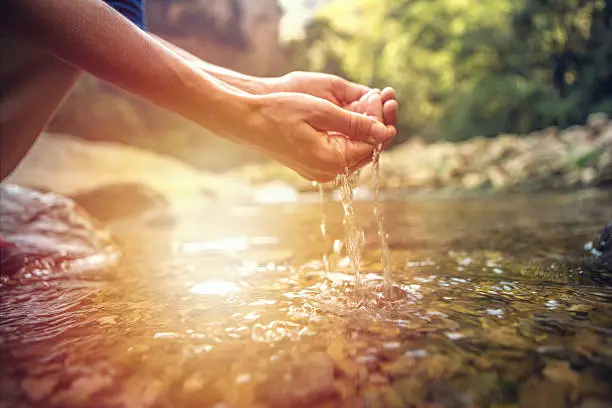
(247, 83)
(92, 36)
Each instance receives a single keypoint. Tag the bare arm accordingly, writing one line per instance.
(94, 37)
(313, 136)
(247, 83)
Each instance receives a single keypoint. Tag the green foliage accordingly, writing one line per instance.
(585, 159)
(463, 68)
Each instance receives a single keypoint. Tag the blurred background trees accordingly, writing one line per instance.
(464, 68)
(461, 68)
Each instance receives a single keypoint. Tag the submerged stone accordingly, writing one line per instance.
(542, 394)
(306, 381)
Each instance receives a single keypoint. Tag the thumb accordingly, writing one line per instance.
(355, 126)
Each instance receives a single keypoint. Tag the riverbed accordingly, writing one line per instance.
(495, 305)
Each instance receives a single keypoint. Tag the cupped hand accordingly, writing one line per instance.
(337, 90)
(381, 105)
(313, 136)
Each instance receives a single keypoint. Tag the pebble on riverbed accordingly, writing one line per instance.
(307, 380)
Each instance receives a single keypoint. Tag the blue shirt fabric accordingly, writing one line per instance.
(133, 10)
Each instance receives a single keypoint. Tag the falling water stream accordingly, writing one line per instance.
(354, 237)
(323, 227)
(382, 234)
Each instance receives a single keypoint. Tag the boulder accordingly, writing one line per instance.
(116, 201)
(137, 178)
(43, 229)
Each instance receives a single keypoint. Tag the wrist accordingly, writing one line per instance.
(275, 84)
(227, 111)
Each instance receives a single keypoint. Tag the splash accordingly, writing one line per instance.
(382, 234)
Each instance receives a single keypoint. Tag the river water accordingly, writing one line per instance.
(493, 307)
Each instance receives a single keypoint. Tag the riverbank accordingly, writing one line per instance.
(551, 159)
(111, 180)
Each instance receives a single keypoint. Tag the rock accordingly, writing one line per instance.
(560, 372)
(602, 248)
(235, 31)
(306, 381)
(72, 167)
(591, 403)
(604, 169)
(398, 368)
(538, 393)
(39, 388)
(597, 121)
(412, 391)
(51, 229)
(122, 200)
(546, 160)
(82, 390)
(475, 180)
(382, 397)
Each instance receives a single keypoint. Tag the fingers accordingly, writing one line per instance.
(389, 112)
(374, 106)
(387, 94)
(355, 126)
(352, 91)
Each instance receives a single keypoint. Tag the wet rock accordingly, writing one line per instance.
(560, 372)
(539, 393)
(39, 388)
(49, 229)
(592, 403)
(478, 390)
(82, 390)
(382, 397)
(592, 386)
(123, 200)
(398, 368)
(412, 391)
(602, 248)
(139, 391)
(439, 367)
(507, 337)
(301, 384)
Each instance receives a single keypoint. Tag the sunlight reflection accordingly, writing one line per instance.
(215, 287)
(227, 245)
(276, 192)
(224, 245)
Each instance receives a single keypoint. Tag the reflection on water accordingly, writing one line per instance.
(493, 308)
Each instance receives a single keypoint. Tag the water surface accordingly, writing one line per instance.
(231, 307)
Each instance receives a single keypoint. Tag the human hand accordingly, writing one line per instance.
(313, 136)
(337, 90)
(381, 105)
